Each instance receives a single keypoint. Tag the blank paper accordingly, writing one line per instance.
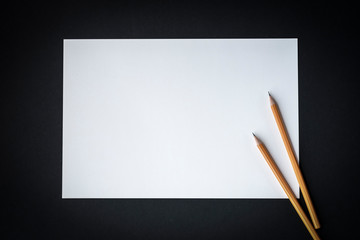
(172, 118)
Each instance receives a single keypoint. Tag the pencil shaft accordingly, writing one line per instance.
(288, 191)
(295, 165)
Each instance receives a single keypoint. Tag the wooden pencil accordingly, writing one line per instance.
(286, 188)
(294, 162)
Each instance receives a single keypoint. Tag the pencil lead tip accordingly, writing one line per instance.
(258, 142)
(272, 102)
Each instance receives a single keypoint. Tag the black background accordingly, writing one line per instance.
(32, 50)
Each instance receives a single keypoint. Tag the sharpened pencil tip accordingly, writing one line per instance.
(272, 102)
(256, 139)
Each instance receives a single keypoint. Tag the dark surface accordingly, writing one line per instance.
(32, 100)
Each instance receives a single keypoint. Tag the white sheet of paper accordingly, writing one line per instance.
(172, 118)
